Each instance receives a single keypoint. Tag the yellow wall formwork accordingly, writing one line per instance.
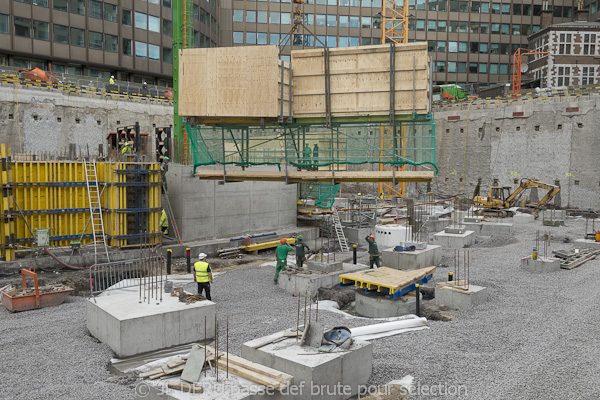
(54, 194)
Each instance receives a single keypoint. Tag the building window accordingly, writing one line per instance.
(167, 27)
(78, 7)
(431, 25)
(563, 77)
(262, 17)
(495, 48)
(462, 67)
(153, 23)
(238, 15)
(365, 21)
(238, 38)
(451, 66)
(354, 22)
(589, 44)
(41, 30)
(154, 52)
(332, 20)
(95, 8)
(483, 68)
(77, 37)
(441, 46)
(274, 38)
(110, 12)
(126, 47)
(503, 69)
(261, 38)
(196, 12)
(40, 3)
(250, 37)
(274, 18)
(473, 68)
(167, 55)
(111, 43)
(126, 17)
(22, 27)
(505, 29)
(250, 16)
(60, 5)
(588, 75)
(141, 21)
(452, 48)
(354, 41)
(516, 29)
(4, 24)
(344, 21)
(61, 34)
(462, 47)
(285, 18)
(167, 3)
(74, 70)
(564, 44)
(441, 26)
(440, 66)
(331, 41)
(141, 49)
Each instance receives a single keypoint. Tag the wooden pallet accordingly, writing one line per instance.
(392, 282)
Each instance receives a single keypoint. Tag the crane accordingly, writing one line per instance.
(517, 58)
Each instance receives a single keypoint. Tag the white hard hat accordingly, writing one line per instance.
(202, 256)
(112, 76)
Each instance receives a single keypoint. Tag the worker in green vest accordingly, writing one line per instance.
(373, 251)
(204, 275)
(315, 154)
(307, 155)
(300, 254)
(126, 149)
(281, 252)
(164, 223)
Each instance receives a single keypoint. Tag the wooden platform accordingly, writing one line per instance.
(317, 176)
(392, 282)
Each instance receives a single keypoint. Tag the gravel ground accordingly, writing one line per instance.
(535, 338)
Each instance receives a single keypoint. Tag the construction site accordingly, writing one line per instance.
(312, 229)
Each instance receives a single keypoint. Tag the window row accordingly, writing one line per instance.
(472, 27)
(441, 46)
(486, 7)
(343, 3)
(149, 51)
(77, 6)
(303, 40)
(471, 67)
(274, 17)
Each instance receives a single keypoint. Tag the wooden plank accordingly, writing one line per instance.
(185, 387)
(250, 375)
(388, 277)
(317, 176)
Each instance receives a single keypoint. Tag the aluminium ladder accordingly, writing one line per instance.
(339, 231)
(91, 180)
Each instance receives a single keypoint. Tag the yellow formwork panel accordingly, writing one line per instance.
(7, 253)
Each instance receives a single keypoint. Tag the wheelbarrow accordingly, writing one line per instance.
(37, 297)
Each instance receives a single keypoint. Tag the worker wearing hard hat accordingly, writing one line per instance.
(111, 81)
(281, 253)
(373, 251)
(300, 254)
(204, 275)
(164, 223)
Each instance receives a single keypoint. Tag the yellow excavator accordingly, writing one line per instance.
(501, 199)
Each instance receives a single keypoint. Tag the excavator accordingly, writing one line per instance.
(501, 199)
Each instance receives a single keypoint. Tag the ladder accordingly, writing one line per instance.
(169, 212)
(91, 180)
(339, 231)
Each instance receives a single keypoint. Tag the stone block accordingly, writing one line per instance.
(454, 241)
(523, 218)
(375, 305)
(448, 295)
(409, 260)
(542, 264)
(326, 267)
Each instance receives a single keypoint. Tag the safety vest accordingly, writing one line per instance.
(201, 269)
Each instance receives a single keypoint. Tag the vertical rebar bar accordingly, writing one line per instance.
(205, 344)
(227, 347)
(298, 318)
(317, 316)
(305, 298)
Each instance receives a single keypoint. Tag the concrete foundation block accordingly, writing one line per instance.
(130, 328)
(454, 241)
(324, 266)
(458, 229)
(475, 220)
(453, 297)
(301, 283)
(437, 225)
(493, 228)
(409, 260)
(586, 244)
(548, 264)
(473, 226)
(336, 376)
(553, 222)
(552, 214)
(374, 305)
(523, 219)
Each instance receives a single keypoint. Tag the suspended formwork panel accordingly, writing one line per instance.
(54, 195)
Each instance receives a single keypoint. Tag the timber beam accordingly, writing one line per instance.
(317, 176)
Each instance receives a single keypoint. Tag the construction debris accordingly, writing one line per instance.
(575, 258)
(231, 252)
(189, 299)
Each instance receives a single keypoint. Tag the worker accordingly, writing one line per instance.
(307, 155)
(281, 253)
(381, 196)
(315, 154)
(204, 275)
(373, 251)
(300, 254)
(164, 223)
(126, 148)
(164, 167)
(111, 81)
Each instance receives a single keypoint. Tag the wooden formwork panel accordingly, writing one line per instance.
(232, 82)
(360, 80)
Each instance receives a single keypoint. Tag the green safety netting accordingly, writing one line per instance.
(323, 194)
(407, 142)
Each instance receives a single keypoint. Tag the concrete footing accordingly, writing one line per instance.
(552, 214)
(437, 225)
(475, 220)
(495, 228)
(553, 222)
(453, 297)
(474, 226)
(542, 264)
(457, 229)
(409, 260)
(324, 266)
(586, 244)
(374, 305)
(301, 283)
(454, 241)
(336, 376)
(130, 327)
(523, 218)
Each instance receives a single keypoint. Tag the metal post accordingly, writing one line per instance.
(188, 260)
(169, 254)
(450, 276)
(418, 301)
(354, 254)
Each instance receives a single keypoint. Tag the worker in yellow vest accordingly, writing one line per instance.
(204, 275)
(164, 223)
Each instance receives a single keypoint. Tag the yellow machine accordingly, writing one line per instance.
(501, 199)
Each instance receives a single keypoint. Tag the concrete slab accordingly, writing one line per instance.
(301, 283)
(473, 226)
(475, 220)
(453, 297)
(523, 219)
(542, 264)
(324, 266)
(495, 228)
(454, 241)
(586, 244)
(409, 260)
(336, 376)
(130, 328)
(553, 222)
(374, 305)
(193, 366)
(437, 225)
(458, 229)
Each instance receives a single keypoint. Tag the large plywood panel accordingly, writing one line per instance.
(360, 80)
(232, 82)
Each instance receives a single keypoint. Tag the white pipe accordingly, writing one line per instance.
(388, 326)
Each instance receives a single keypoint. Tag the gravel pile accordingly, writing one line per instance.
(495, 241)
(535, 338)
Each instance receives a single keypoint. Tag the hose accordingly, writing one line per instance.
(61, 262)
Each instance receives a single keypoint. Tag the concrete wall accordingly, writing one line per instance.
(207, 209)
(48, 119)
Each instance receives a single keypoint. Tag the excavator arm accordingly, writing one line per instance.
(531, 184)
